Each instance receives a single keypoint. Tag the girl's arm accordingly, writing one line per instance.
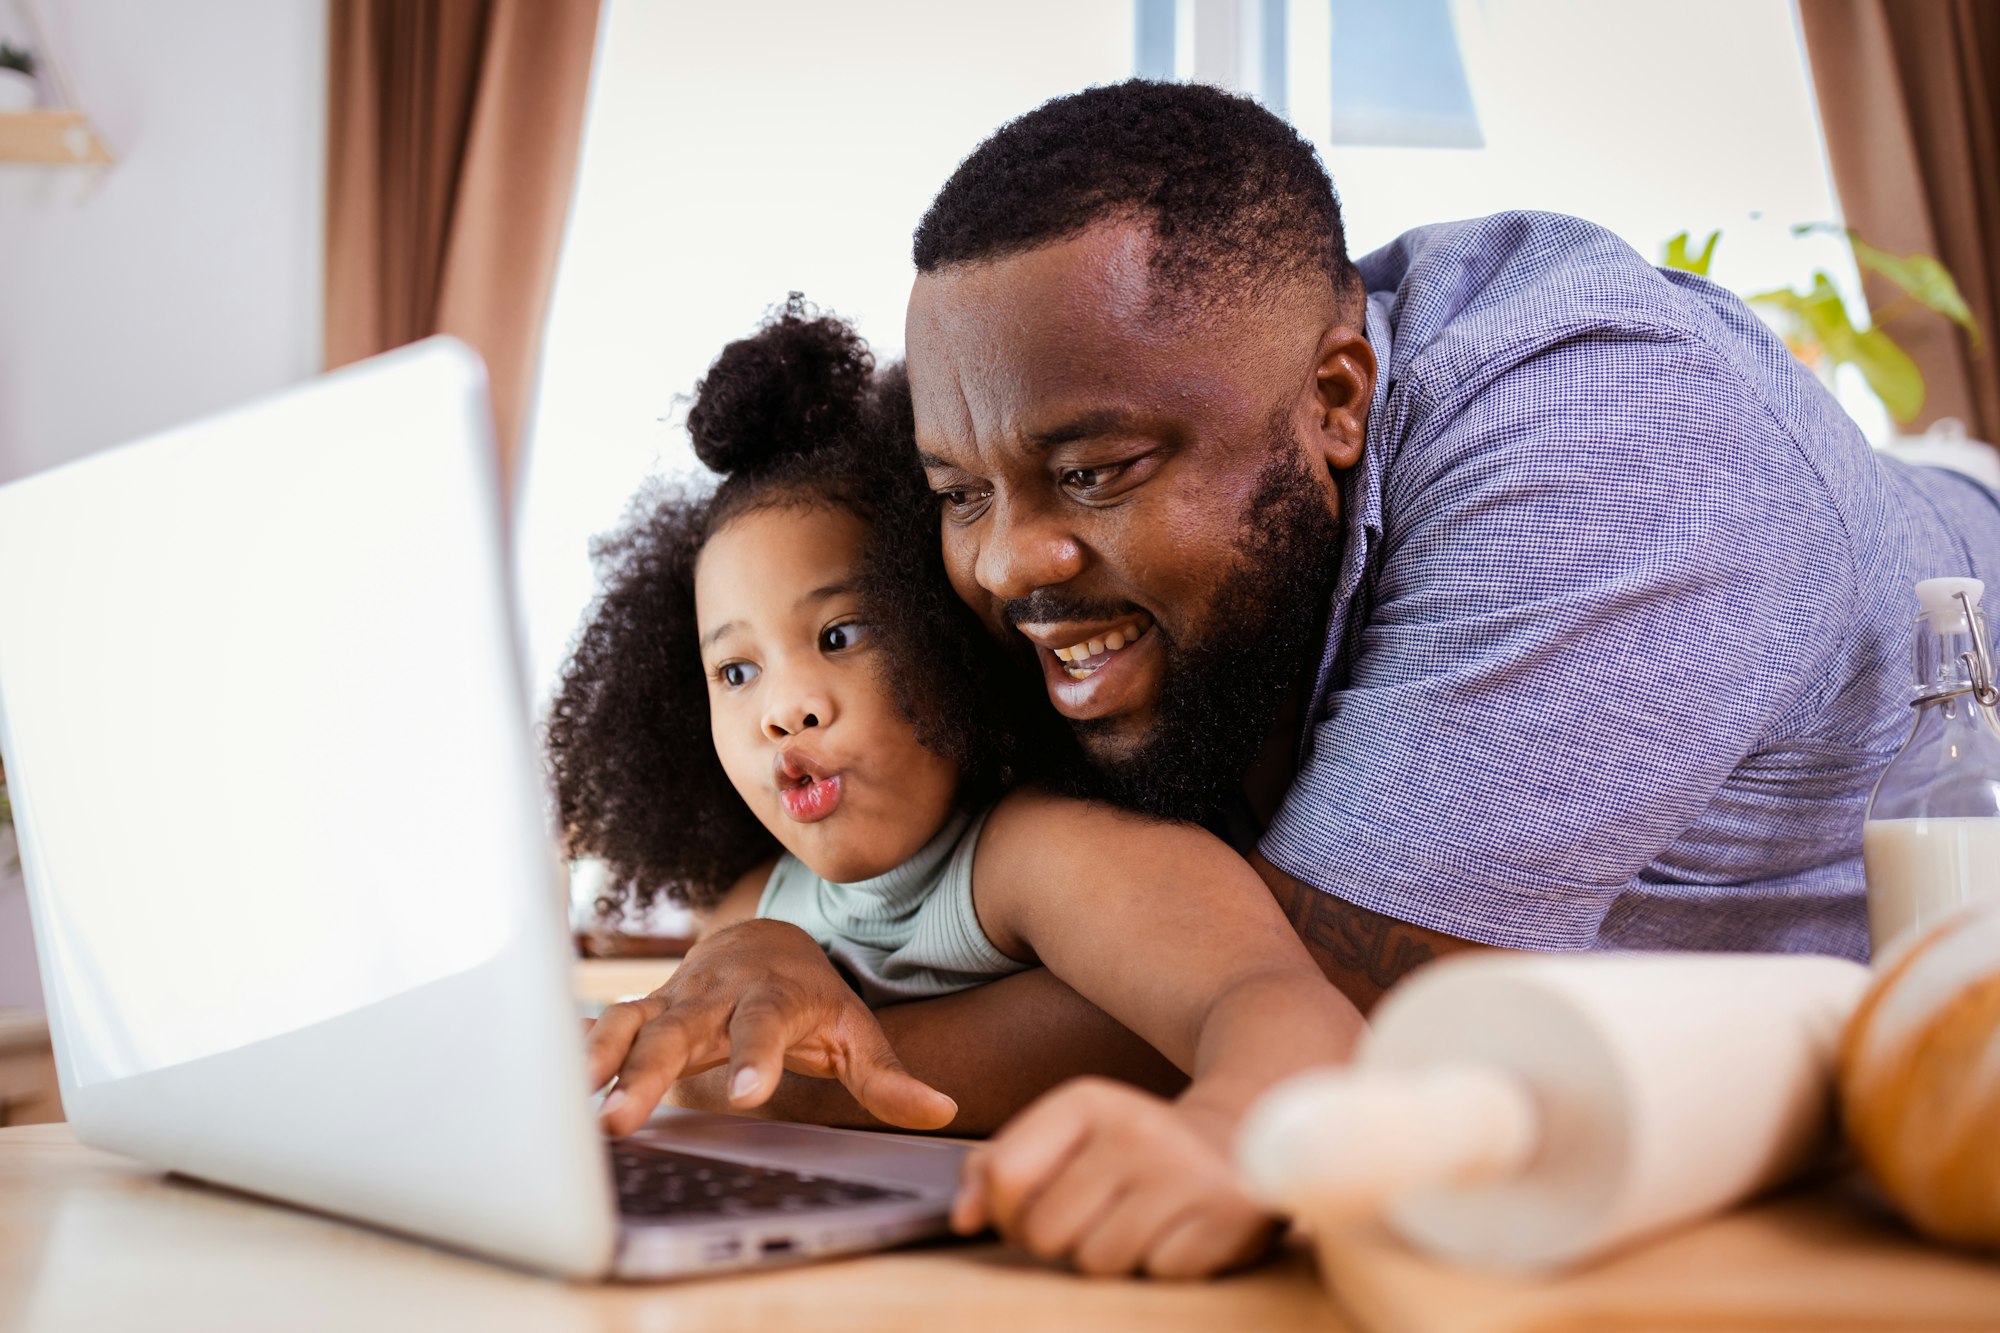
(1175, 936)
(1167, 930)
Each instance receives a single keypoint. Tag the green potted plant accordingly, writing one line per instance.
(1821, 332)
(18, 90)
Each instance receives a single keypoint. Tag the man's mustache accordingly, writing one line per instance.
(1042, 607)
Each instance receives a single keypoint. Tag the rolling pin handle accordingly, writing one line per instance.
(1349, 1141)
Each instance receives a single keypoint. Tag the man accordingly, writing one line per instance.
(1501, 590)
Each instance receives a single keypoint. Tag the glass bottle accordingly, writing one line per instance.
(1932, 840)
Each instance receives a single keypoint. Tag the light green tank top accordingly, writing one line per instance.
(907, 935)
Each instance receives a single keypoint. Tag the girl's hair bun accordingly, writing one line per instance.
(800, 382)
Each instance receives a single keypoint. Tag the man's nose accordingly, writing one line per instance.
(1024, 549)
(799, 701)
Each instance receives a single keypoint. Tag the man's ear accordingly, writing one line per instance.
(1344, 380)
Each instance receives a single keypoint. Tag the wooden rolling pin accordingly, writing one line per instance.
(1528, 1111)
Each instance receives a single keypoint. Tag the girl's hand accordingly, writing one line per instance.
(762, 996)
(1116, 1181)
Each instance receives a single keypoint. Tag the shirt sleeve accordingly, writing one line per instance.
(1602, 579)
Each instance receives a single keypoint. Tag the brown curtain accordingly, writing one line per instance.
(1908, 95)
(452, 140)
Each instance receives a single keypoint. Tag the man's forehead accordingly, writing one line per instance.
(1098, 278)
(999, 345)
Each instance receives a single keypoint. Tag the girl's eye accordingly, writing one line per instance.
(839, 638)
(737, 674)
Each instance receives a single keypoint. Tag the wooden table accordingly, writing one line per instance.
(601, 981)
(90, 1241)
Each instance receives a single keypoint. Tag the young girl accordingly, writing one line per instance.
(781, 714)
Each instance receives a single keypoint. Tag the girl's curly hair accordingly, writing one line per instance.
(794, 415)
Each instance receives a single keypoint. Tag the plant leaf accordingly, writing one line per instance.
(1816, 326)
(1890, 373)
(1921, 277)
(1676, 254)
(1927, 281)
(1784, 310)
(1814, 323)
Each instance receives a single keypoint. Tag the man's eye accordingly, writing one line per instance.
(839, 638)
(1090, 478)
(963, 502)
(737, 674)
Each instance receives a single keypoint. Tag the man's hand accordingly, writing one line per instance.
(761, 996)
(1115, 1181)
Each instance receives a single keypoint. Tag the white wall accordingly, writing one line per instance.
(187, 276)
(182, 279)
(735, 153)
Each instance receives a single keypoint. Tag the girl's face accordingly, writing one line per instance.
(805, 730)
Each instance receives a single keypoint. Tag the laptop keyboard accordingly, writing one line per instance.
(660, 1182)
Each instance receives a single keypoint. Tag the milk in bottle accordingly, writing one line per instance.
(1932, 840)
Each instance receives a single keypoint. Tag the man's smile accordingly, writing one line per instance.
(1093, 671)
(1086, 657)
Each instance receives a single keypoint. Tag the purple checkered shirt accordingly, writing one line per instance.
(1621, 636)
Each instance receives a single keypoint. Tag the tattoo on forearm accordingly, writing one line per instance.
(1354, 939)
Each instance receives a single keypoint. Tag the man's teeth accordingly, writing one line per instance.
(1110, 643)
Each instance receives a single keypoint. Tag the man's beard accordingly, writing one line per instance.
(1220, 695)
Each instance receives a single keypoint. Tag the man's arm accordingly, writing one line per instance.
(1363, 953)
(993, 1050)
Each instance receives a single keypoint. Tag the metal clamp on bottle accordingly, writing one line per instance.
(1979, 662)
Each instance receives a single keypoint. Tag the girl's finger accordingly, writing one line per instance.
(1083, 1191)
(1027, 1155)
(1208, 1241)
(1119, 1241)
(968, 1211)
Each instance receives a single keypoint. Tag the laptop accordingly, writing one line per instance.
(281, 812)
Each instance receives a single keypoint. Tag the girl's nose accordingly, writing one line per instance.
(797, 709)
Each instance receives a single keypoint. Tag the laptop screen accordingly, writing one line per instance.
(262, 721)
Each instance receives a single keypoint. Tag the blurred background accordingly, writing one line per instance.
(206, 201)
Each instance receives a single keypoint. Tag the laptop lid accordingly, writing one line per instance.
(299, 919)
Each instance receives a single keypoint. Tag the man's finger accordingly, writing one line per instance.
(760, 1032)
(889, 1092)
(661, 1053)
(607, 1041)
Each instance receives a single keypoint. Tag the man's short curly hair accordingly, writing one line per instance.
(1234, 198)
(795, 415)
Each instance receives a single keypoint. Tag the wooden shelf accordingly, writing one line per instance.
(56, 137)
